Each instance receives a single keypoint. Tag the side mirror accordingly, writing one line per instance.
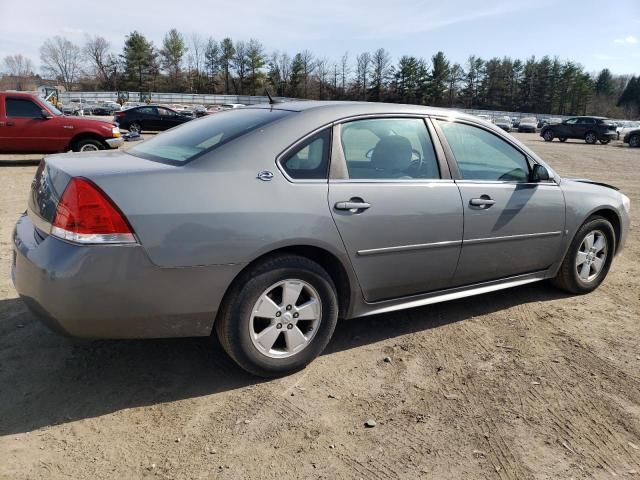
(539, 173)
(46, 115)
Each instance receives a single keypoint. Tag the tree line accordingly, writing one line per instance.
(196, 64)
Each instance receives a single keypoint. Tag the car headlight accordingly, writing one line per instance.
(115, 131)
(626, 203)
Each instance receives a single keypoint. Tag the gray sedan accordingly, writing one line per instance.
(268, 223)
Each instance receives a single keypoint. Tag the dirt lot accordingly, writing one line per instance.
(523, 383)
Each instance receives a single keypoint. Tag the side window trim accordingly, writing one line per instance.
(455, 171)
(282, 156)
(338, 171)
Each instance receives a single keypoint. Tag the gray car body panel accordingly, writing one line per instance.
(200, 224)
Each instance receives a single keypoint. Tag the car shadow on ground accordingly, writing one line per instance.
(47, 379)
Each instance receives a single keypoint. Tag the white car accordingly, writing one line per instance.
(625, 127)
(528, 124)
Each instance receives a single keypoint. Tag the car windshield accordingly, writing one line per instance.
(53, 109)
(197, 137)
(528, 120)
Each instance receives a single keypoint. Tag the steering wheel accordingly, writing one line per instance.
(415, 155)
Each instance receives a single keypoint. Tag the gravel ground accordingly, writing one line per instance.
(524, 383)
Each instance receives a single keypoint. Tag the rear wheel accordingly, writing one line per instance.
(135, 127)
(591, 138)
(279, 316)
(548, 136)
(589, 257)
(87, 145)
(634, 141)
(604, 141)
(563, 139)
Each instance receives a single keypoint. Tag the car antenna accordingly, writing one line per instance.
(271, 100)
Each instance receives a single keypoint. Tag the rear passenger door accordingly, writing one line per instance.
(512, 226)
(395, 205)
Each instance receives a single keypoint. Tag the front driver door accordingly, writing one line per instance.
(511, 225)
(397, 210)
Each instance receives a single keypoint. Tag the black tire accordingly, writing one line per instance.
(233, 322)
(563, 139)
(591, 138)
(634, 141)
(135, 127)
(548, 136)
(604, 141)
(87, 144)
(567, 277)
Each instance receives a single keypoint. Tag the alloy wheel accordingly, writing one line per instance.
(590, 138)
(591, 256)
(634, 141)
(285, 318)
(89, 147)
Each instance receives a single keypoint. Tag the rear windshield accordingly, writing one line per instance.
(197, 137)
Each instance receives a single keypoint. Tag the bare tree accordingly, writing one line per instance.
(99, 60)
(196, 56)
(308, 67)
(322, 67)
(61, 59)
(380, 71)
(19, 67)
(239, 61)
(363, 65)
(345, 70)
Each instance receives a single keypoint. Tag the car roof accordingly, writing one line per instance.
(339, 108)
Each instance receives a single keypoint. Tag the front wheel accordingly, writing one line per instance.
(589, 257)
(563, 139)
(548, 136)
(88, 145)
(634, 141)
(591, 138)
(279, 316)
(604, 141)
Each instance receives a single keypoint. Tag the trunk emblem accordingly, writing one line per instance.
(265, 176)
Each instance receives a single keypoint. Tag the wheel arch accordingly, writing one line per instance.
(85, 136)
(336, 269)
(613, 218)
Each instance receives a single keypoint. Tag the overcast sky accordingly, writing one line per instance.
(596, 33)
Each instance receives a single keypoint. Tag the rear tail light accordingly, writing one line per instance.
(85, 214)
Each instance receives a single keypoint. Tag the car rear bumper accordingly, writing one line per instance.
(113, 291)
(114, 142)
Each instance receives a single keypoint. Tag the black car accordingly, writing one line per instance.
(589, 129)
(632, 138)
(149, 117)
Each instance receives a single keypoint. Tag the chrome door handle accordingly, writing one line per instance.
(352, 205)
(484, 201)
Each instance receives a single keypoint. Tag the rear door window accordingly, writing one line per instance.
(22, 108)
(197, 137)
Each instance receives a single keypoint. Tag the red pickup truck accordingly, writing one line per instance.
(29, 124)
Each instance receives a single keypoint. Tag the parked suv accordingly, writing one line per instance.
(29, 124)
(590, 129)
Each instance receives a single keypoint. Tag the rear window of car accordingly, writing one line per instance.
(197, 137)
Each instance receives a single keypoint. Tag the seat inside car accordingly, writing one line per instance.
(391, 156)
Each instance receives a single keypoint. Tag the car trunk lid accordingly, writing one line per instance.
(55, 172)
